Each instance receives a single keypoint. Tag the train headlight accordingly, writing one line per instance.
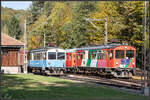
(49, 63)
(133, 63)
(116, 63)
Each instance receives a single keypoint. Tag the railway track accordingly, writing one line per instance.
(130, 85)
(104, 81)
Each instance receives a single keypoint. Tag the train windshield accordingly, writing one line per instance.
(129, 54)
(119, 54)
(51, 55)
(61, 55)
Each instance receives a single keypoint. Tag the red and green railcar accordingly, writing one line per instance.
(116, 59)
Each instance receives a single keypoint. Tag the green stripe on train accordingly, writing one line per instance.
(128, 64)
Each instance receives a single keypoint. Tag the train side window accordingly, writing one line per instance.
(94, 54)
(110, 54)
(51, 55)
(78, 56)
(129, 54)
(43, 56)
(34, 56)
(29, 57)
(89, 55)
(67, 56)
(61, 55)
(103, 55)
(38, 56)
(70, 57)
(119, 54)
(99, 54)
(83, 55)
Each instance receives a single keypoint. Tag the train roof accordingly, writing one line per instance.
(43, 49)
(96, 47)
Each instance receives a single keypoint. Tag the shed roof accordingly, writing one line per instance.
(9, 41)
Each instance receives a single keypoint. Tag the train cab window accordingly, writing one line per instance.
(119, 54)
(129, 54)
(51, 55)
(61, 55)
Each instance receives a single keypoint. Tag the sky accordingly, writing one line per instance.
(17, 5)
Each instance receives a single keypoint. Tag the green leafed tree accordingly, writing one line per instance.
(78, 26)
(14, 29)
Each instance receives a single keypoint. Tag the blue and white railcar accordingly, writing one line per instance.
(49, 60)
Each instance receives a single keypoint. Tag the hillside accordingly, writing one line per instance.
(6, 16)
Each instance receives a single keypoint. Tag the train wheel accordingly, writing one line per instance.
(130, 74)
(61, 72)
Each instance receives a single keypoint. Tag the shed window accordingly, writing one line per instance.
(51, 55)
(119, 54)
(130, 54)
(4, 52)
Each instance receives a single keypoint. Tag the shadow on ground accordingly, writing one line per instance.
(36, 86)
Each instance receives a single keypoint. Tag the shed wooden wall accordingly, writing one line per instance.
(10, 59)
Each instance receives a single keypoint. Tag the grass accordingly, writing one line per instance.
(26, 86)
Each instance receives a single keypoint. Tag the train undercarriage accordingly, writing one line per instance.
(47, 71)
(120, 72)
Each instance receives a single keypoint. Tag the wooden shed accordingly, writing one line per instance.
(10, 54)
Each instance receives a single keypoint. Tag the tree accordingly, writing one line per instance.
(132, 13)
(78, 26)
(14, 29)
(35, 9)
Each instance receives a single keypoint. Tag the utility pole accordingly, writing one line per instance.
(149, 64)
(146, 89)
(145, 44)
(44, 40)
(25, 46)
(104, 33)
